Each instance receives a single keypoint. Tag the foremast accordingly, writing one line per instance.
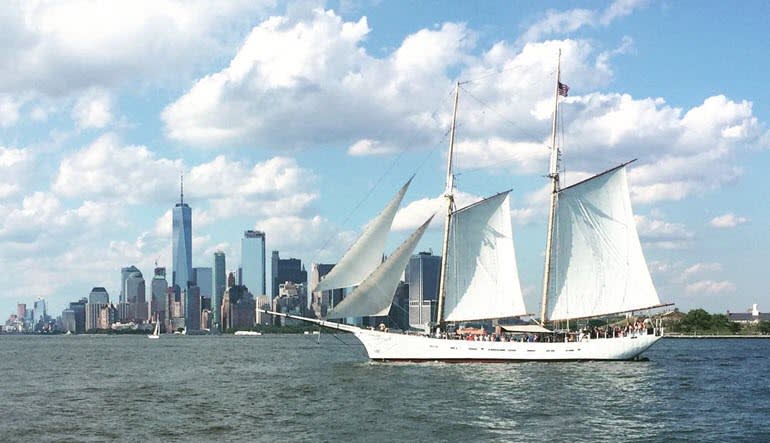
(450, 204)
(553, 174)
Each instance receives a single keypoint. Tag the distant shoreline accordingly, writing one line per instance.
(703, 337)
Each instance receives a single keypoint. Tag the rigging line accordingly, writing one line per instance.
(492, 74)
(371, 190)
(504, 118)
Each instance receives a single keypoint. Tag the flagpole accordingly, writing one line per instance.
(554, 176)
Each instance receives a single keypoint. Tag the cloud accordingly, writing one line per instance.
(365, 147)
(699, 269)
(15, 164)
(297, 82)
(314, 238)
(565, 22)
(710, 287)
(55, 48)
(9, 110)
(93, 109)
(661, 234)
(107, 169)
(728, 220)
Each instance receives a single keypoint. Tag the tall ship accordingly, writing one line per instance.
(594, 268)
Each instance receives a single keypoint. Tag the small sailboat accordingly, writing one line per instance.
(156, 332)
(594, 267)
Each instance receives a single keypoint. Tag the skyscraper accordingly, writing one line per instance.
(253, 261)
(181, 242)
(40, 311)
(202, 279)
(422, 275)
(135, 290)
(218, 289)
(97, 299)
(124, 273)
(158, 299)
(286, 270)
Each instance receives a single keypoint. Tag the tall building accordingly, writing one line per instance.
(135, 293)
(253, 262)
(124, 273)
(238, 307)
(181, 242)
(192, 308)
(158, 299)
(202, 279)
(97, 299)
(219, 284)
(321, 301)
(40, 311)
(21, 311)
(286, 270)
(78, 309)
(422, 276)
(98, 295)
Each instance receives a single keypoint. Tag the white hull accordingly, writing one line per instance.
(386, 346)
(383, 346)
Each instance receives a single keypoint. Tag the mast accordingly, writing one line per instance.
(553, 174)
(449, 196)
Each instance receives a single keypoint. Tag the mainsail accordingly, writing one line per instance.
(374, 295)
(482, 281)
(599, 267)
(366, 252)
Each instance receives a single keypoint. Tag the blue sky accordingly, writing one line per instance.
(303, 118)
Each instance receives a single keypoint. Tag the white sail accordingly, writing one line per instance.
(482, 281)
(374, 295)
(599, 267)
(366, 252)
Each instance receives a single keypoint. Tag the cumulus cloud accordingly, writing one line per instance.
(662, 234)
(710, 287)
(728, 220)
(9, 110)
(93, 109)
(108, 169)
(15, 165)
(58, 47)
(365, 147)
(564, 22)
(296, 82)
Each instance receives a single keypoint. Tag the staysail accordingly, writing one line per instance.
(599, 267)
(482, 281)
(374, 295)
(366, 252)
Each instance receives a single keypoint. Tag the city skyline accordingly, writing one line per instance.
(300, 119)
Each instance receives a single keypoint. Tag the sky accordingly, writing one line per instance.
(302, 119)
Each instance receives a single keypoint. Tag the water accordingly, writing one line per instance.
(288, 388)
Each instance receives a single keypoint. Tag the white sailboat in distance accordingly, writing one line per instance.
(594, 267)
(156, 332)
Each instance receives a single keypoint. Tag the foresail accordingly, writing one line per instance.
(482, 280)
(598, 264)
(366, 253)
(374, 295)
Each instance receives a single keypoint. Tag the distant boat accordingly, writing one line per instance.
(594, 267)
(247, 333)
(156, 333)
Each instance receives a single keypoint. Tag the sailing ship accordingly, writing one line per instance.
(156, 332)
(594, 267)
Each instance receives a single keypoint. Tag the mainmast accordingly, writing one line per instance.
(553, 174)
(449, 196)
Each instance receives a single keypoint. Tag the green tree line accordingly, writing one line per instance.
(698, 321)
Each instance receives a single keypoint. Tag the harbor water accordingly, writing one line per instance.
(293, 388)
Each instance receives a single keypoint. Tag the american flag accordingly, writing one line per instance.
(563, 89)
